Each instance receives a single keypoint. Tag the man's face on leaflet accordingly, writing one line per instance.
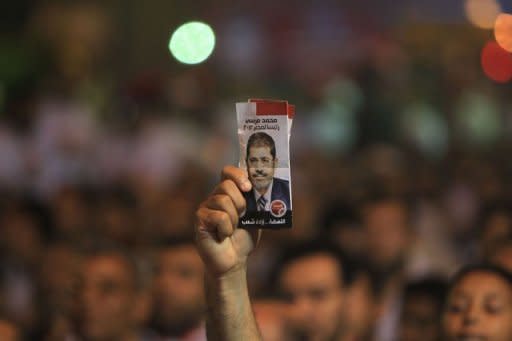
(261, 166)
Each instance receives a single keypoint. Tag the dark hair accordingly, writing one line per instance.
(168, 244)
(489, 210)
(175, 242)
(378, 196)
(261, 139)
(339, 212)
(503, 243)
(313, 248)
(117, 195)
(492, 269)
(132, 264)
(432, 287)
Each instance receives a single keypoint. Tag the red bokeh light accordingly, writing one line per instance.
(496, 62)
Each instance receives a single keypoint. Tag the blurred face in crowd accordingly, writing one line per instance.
(314, 289)
(497, 228)
(387, 234)
(271, 319)
(420, 319)
(116, 221)
(261, 165)
(350, 239)
(479, 307)
(21, 238)
(70, 212)
(502, 256)
(108, 299)
(171, 224)
(8, 331)
(178, 299)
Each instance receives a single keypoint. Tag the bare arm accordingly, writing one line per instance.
(224, 249)
(230, 315)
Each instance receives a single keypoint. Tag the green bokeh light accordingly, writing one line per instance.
(192, 42)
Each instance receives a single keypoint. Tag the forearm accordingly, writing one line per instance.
(230, 316)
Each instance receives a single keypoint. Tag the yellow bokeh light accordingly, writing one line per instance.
(503, 31)
(482, 13)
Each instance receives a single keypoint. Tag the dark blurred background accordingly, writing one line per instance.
(105, 138)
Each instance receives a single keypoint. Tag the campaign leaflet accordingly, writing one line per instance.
(264, 128)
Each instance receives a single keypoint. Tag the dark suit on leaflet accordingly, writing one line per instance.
(280, 191)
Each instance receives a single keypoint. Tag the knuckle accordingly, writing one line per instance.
(224, 186)
(211, 217)
(224, 217)
(224, 221)
(206, 216)
(199, 212)
(224, 200)
(218, 200)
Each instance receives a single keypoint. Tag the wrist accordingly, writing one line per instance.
(232, 279)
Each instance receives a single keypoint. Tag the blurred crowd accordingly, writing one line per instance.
(399, 157)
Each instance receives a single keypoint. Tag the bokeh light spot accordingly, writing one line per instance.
(496, 62)
(426, 128)
(478, 119)
(482, 13)
(192, 42)
(503, 31)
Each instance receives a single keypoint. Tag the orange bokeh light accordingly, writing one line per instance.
(503, 31)
(496, 62)
(482, 13)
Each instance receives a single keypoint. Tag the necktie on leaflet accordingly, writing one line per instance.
(262, 202)
(264, 130)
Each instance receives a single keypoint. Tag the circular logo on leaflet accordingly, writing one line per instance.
(278, 208)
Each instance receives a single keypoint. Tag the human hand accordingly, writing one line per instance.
(223, 247)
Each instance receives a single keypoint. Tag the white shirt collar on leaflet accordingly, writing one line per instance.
(267, 196)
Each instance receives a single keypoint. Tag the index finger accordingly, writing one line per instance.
(238, 176)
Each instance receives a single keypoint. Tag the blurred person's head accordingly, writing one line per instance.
(388, 235)
(116, 216)
(57, 276)
(312, 278)
(271, 318)
(385, 164)
(342, 225)
(9, 331)
(178, 298)
(421, 310)
(261, 161)
(175, 216)
(495, 226)
(502, 254)
(21, 239)
(111, 301)
(71, 212)
(479, 305)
